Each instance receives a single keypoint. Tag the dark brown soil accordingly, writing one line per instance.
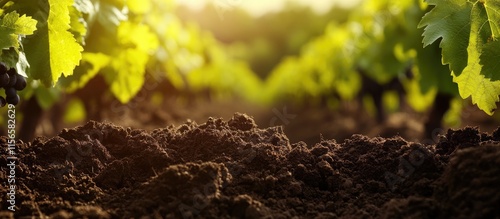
(233, 169)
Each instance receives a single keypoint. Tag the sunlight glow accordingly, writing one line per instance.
(259, 7)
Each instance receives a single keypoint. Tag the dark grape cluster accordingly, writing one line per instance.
(11, 82)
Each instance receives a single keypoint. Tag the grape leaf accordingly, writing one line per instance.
(493, 13)
(433, 73)
(16, 59)
(125, 73)
(78, 25)
(52, 51)
(469, 32)
(490, 60)
(90, 65)
(483, 91)
(450, 21)
(11, 26)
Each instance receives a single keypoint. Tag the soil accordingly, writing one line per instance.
(234, 169)
(300, 123)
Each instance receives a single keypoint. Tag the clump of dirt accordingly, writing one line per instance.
(233, 169)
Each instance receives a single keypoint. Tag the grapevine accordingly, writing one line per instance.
(380, 42)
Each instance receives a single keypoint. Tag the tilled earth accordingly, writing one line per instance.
(233, 169)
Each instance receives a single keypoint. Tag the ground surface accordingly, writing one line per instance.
(234, 169)
(299, 123)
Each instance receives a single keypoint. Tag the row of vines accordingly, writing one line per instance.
(60, 46)
(438, 50)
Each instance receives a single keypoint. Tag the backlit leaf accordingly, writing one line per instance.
(52, 51)
(469, 33)
(11, 26)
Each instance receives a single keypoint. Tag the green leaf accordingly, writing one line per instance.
(483, 91)
(12, 26)
(450, 21)
(125, 76)
(433, 73)
(90, 65)
(490, 60)
(52, 51)
(125, 73)
(132, 35)
(22, 65)
(16, 59)
(470, 32)
(78, 25)
(493, 13)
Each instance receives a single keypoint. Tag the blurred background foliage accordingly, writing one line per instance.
(263, 41)
(148, 50)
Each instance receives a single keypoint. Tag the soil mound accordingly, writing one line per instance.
(233, 169)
